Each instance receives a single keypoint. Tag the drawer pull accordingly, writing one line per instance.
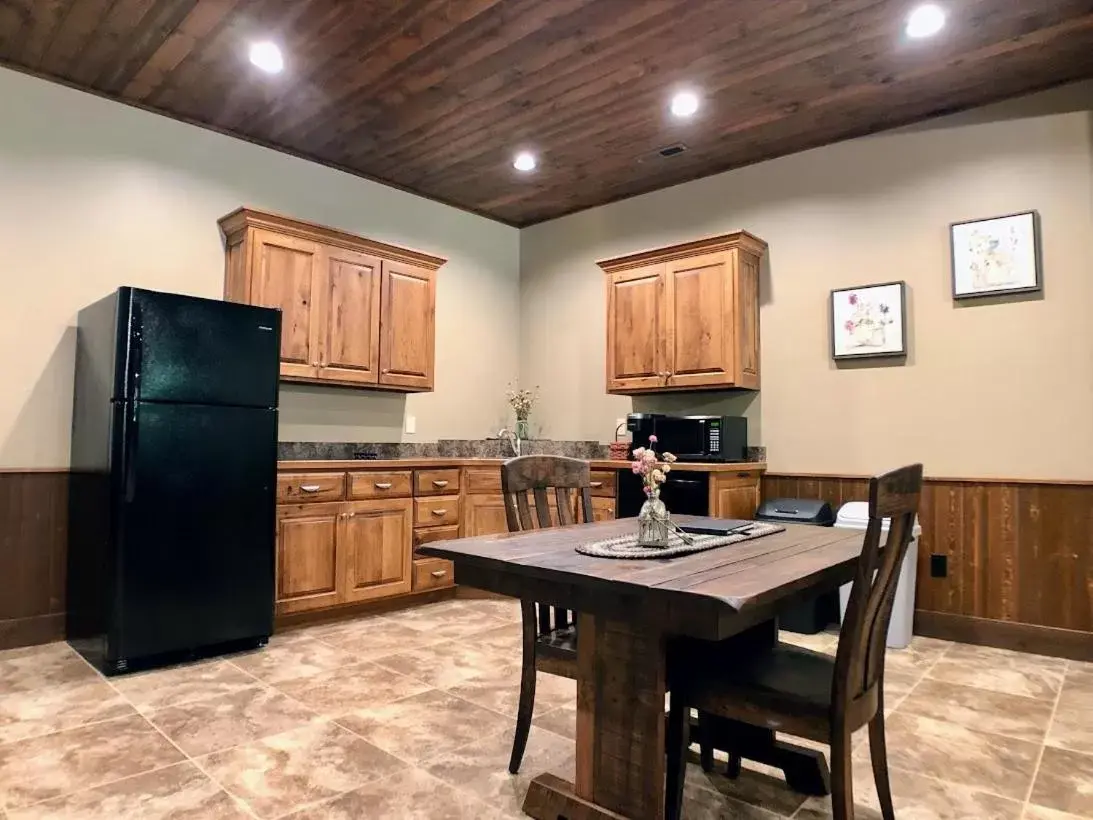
(383, 485)
(310, 488)
(439, 513)
(439, 573)
(595, 484)
(439, 483)
(743, 475)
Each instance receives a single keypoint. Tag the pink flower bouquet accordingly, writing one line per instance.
(651, 468)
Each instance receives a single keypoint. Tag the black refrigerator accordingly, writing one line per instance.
(174, 469)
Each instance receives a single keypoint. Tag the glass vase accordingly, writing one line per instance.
(653, 523)
(522, 429)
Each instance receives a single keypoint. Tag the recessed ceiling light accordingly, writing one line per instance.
(925, 21)
(525, 161)
(267, 56)
(684, 104)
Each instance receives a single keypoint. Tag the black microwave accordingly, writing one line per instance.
(692, 438)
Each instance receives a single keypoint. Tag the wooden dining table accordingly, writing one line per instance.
(629, 615)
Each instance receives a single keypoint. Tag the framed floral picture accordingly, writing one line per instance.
(869, 320)
(997, 255)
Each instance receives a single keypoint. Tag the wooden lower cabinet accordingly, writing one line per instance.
(484, 515)
(603, 509)
(338, 553)
(377, 548)
(308, 546)
(735, 495)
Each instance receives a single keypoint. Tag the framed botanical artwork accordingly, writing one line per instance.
(869, 320)
(996, 255)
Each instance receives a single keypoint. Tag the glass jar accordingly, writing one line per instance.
(653, 526)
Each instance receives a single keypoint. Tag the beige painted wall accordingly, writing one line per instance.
(1002, 389)
(94, 195)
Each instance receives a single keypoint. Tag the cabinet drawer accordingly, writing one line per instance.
(436, 482)
(297, 488)
(436, 511)
(379, 485)
(482, 480)
(430, 573)
(603, 483)
(427, 535)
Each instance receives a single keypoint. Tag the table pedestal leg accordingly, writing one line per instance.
(620, 729)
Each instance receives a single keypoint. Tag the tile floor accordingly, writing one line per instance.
(410, 715)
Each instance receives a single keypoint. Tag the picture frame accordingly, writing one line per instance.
(996, 256)
(869, 321)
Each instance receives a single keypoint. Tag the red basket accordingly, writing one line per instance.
(619, 450)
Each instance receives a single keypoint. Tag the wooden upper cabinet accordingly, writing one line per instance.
(349, 348)
(356, 312)
(285, 275)
(699, 296)
(407, 326)
(636, 320)
(685, 317)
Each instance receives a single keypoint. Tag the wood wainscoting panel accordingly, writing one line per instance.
(33, 554)
(1017, 552)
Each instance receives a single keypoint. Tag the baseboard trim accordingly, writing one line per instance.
(293, 620)
(16, 632)
(1040, 640)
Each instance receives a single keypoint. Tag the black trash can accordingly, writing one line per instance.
(815, 614)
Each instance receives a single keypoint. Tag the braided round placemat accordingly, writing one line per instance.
(626, 546)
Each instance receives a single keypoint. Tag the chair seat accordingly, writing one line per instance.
(787, 686)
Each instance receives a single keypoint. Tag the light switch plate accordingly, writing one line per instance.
(411, 425)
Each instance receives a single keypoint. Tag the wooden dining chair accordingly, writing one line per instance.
(550, 633)
(806, 693)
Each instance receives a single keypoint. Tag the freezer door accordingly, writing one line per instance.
(198, 351)
(195, 536)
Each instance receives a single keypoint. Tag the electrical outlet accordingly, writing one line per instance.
(939, 565)
(411, 425)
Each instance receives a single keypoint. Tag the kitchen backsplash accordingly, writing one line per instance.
(445, 448)
(450, 448)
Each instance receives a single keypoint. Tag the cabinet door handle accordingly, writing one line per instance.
(310, 488)
(439, 573)
(439, 513)
(595, 484)
(439, 483)
(383, 485)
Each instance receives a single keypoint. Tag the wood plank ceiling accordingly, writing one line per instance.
(435, 96)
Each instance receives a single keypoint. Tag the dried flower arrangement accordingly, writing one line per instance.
(522, 401)
(652, 469)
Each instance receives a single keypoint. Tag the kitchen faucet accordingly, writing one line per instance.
(511, 438)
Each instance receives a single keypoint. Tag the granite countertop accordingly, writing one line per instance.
(425, 463)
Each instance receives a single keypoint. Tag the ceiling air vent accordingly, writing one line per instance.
(672, 150)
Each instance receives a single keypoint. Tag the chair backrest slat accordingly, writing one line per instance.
(859, 664)
(564, 499)
(538, 474)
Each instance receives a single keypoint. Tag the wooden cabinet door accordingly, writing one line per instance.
(407, 326)
(736, 496)
(376, 538)
(699, 292)
(636, 329)
(747, 320)
(349, 349)
(484, 515)
(603, 509)
(307, 556)
(285, 275)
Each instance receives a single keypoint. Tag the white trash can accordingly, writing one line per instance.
(854, 515)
